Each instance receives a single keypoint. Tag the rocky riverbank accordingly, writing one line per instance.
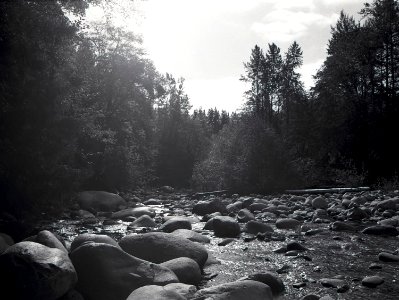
(168, 245)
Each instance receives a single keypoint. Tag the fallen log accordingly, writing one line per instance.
(328, 190)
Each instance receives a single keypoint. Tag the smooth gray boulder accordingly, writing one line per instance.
(175, 223)
(92, 238)
(186, 269)
(287, 223)
(143, 221)
(154, 292)
(271, 279)
(107, 272)
(133, 212)
(31, 270)
(223, 226)
(159, 247)
(94, 201)
(238, 290)
(192, 236)
(48, 239)
(254, 227)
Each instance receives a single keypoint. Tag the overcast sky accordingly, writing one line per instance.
(207, 41)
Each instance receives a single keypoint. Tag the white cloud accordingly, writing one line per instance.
(223, 93)
(290, 4)
(309, 70)
(335, 2)
(285, 25)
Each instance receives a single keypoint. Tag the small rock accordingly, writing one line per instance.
(388, 257)
(381, 230)
(332, 282)
(295, 246)
(298, 285)
(372, 281)
(311, 297)
(341, 226)
(227, 241)
(375, 266)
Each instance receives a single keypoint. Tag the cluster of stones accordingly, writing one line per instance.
(168, 263)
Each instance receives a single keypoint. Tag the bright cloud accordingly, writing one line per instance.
(285, 25)
(223, 93)
(206, 41)
(309, 70)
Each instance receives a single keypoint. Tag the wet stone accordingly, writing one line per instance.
(372, 281)
(388, 257)
(299, 285)
(381, 230)
(332, 282)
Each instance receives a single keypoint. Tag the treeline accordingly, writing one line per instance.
(81, 107)
(342, 132)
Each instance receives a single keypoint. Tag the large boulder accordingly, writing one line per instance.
(133, 212)
(203, 208)
(48, 239)
(154, 292)
(320, 202)
(94, 201)
(31, 270)
(92, 238)
(287, 223)
(159, 247)
(223, 226)
(192, 236)
(271, 279)
(254, 227)
(238, 290)
(186, 269)
(5, 242)
(107, 272)
(175, 223)
(143, 221)
(381, 230)
(244, 215)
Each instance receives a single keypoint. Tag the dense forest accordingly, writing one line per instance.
(82, 108)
